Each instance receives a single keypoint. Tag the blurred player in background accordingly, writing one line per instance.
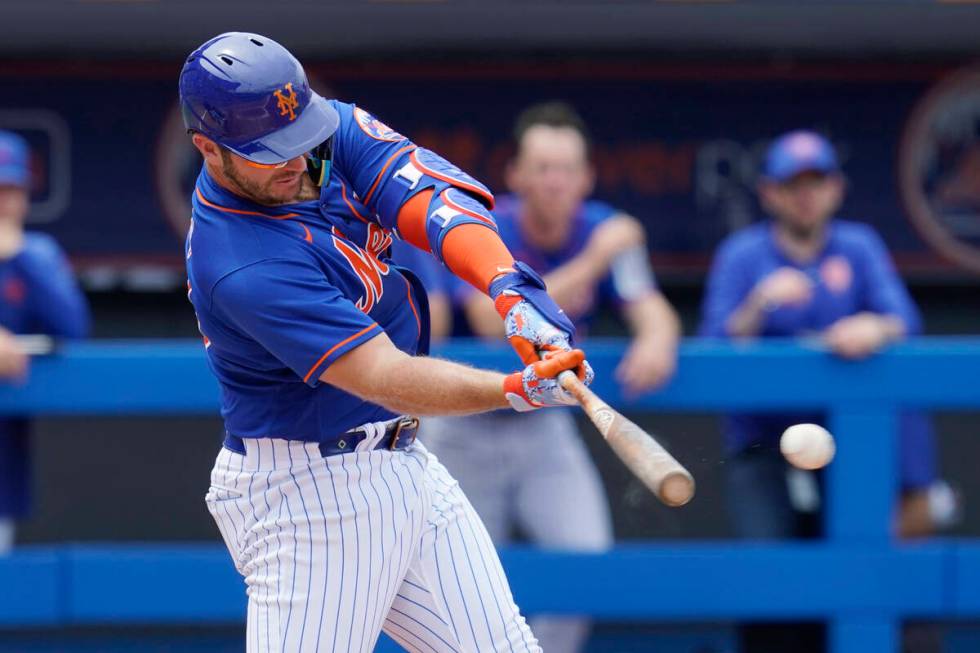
(533, 472)
(38, 295)
(805, 273)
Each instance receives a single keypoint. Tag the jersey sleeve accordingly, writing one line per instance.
(729, 283)
(294, 313)
(884, 291)
(57, 305)
(386, 171)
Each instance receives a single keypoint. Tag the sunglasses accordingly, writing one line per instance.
(317, 162)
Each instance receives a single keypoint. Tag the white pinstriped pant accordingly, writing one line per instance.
(333, 550)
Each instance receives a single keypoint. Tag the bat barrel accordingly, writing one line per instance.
(676, 488)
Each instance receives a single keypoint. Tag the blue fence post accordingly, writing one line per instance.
(862, 479)
(861, 493)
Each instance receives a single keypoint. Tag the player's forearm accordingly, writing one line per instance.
(432, 386)
(378, 372)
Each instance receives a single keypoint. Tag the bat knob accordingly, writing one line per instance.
(676, 489)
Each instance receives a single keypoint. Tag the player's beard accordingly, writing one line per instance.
(259, 193)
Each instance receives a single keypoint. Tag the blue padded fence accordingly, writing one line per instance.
(860, 580)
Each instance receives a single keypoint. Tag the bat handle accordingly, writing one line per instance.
(571, 383)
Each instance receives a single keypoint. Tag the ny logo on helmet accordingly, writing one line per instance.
(287, 103)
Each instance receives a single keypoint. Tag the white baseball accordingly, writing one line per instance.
(807, 446)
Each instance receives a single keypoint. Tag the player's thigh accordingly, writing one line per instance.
(475, 450)
(329, 543)
(457, 577)
(561, 501)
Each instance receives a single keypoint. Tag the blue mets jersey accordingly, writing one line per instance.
(852, 274)
(282, 292)
(38, 294)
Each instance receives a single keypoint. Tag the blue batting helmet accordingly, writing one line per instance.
(249, 94)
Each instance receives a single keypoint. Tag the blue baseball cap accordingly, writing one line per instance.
(799, 151)
(14, 156)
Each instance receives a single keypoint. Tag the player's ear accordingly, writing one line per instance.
(210, 150)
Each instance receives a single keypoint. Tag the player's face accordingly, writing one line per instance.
(271, 186)
(267, 185)
(805, 202)
(13, 203)
(552, 174)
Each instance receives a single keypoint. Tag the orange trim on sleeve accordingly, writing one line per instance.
(240, 212)
(336, 347)
(476, 255)
(391, 159)
(411, 220)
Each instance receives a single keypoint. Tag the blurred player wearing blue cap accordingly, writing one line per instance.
(806, 273)
(38, 295)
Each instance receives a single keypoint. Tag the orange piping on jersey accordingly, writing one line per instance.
(391, 159)
(411, 220)
(476, 254)
(482, 218)
(453, 181)
(343, 193)
(308, 237)
(408, 291)
(336, 347)
(240, 212)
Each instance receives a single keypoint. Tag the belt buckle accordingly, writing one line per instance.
(405, 422)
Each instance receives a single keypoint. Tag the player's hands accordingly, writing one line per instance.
(532, 320)
(13, 360)
(858, 336)
(646, 365)
(785, 287)
(537, 385)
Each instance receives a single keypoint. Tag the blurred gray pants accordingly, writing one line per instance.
(533, 473)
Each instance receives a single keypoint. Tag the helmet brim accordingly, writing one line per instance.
(316, 124)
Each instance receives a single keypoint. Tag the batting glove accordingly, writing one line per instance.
(532, 320)
(537, 386)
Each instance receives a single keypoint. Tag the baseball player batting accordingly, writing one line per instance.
(341, 523)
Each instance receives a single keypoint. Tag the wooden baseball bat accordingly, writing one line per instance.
(644, 456)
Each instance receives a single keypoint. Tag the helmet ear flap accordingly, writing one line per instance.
(318, 162)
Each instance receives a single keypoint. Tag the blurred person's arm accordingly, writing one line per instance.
(889, 315)
(729, 308)
(652, 355)
(784, 287)
(57, 305)
(13, 361)
(572, 284)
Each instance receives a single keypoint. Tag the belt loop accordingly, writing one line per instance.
(405, 422)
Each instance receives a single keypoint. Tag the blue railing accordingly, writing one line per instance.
(859, 579)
